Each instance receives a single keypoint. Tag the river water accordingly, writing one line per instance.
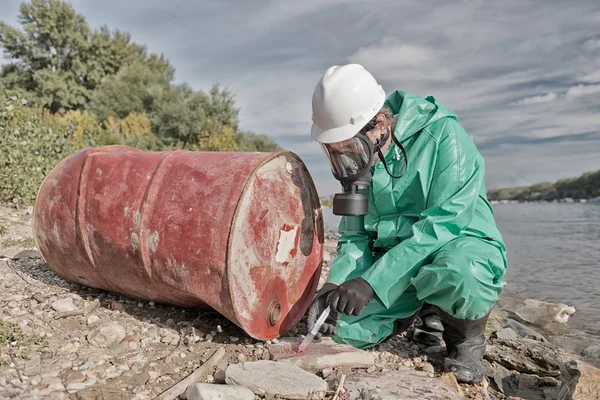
(553, 254)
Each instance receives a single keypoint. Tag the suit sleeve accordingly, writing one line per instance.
(354, 251)
(454, 188)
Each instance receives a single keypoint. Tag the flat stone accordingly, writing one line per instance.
(524, 331)
(402, 384)
(200, 391)
(64, 305)
(542, 313)
(507, 333)
(526, 356)
(271, 378)
(107, 335)
(321, 354)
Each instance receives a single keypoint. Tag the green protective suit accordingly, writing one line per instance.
(429, 236)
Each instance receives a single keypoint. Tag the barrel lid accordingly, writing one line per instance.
(275, 248)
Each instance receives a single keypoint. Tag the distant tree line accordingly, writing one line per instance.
(67, 86)
(587, 186)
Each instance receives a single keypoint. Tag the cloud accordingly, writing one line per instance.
(592, 45)
(546, 98)
(582, 90)
(398, 60)
(592, 76)
(271, 53)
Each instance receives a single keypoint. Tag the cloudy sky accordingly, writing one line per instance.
(522, 75)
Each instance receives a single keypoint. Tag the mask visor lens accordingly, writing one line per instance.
(347, 158)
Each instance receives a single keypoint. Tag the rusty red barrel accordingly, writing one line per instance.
(241, 233)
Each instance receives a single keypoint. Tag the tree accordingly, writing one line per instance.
(249, 141)
(58, 60)
(136, 87)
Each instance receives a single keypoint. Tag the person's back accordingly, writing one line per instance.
(428, 239)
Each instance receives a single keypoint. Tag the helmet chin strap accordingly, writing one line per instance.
(381, 142)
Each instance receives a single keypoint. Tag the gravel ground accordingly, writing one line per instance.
(61, 340)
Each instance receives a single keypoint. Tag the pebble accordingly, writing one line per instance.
(75, 377)
(64, 305)
(153, 375)
(108, 335)
(220, 376)
(234, 339)
(209, 338)
(219, 329)
(428, 368)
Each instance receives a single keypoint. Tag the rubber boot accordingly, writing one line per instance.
(428, 327)
(465, 344)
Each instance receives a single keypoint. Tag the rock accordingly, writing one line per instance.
(64, 305)
(524, 331)
(427, 368)
(496, 373)
(75, 386)
(540, 313)
(220, 376)
(506, 333)
(54, 384)
(115, 305)
(270, 378)
(526, 356)
(592, 352)
(75, 377)
(33, 366)
(532, 387)
(107, 335)
(450, 379)
(215, 392)
(400, 384)
(321, 354)
(584, 383)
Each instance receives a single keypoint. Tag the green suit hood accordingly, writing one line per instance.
(414, 112)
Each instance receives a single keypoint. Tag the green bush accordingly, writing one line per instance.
(33, 141)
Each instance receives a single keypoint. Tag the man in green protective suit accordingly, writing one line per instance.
(418, 236)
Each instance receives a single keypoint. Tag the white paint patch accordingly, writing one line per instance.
(286, 244)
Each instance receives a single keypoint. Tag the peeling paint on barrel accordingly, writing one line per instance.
(237, 232)
(286, 247)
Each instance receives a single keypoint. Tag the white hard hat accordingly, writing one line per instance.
(345, 99)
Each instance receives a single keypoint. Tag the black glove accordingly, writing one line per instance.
(351, 297)
(317, 307)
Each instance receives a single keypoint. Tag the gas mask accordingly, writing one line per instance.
(351, 161)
